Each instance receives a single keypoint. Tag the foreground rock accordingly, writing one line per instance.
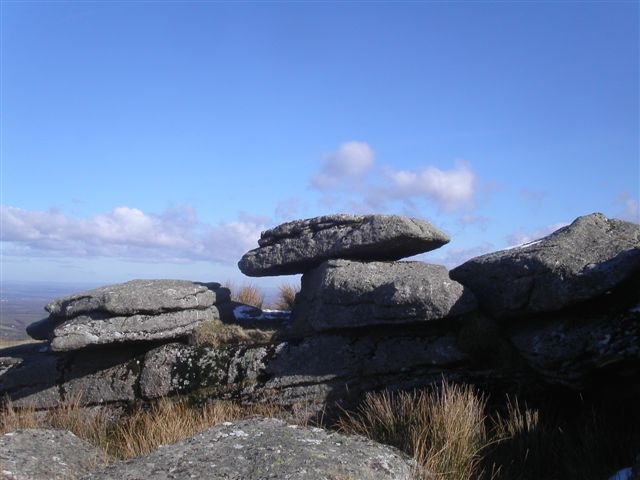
(298, 246)
(46, 454)
(140, 310)
(257, 449)
(346, 294)
(576, 263)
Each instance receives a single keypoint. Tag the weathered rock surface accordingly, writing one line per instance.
(570, 349)
(140, 297)
(95, 329)
(257, 449)
(32, 375)
(46, 454)
(140, 310)
(578, 262)
(346, 294)
(296, 247)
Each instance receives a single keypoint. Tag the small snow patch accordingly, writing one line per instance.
(523, 245)
(246, 312)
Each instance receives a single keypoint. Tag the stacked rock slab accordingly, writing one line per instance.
(299, 246)
(350, 274)
(139, 310)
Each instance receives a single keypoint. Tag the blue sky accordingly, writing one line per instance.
(157, 139)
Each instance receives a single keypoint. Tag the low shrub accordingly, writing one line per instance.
(286, 296)
(248, 294)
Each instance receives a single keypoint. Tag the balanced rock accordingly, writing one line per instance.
(46, 454)
(578, 262)
(262, 448)
(346, 294)
(139, 310)
(296, 247)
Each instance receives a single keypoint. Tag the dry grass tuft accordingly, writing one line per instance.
(92, 426)
(138, 433)
(444, 430)
(217, 334)
(286, 296)
(248, 294)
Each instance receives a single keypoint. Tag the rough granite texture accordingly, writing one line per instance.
(262, 448)
(46, 454)
(578, 262)
(566, 350)
(298, 246)
(345, 294)
(92, 329)
(140, 297)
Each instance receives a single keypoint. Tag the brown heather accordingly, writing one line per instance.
(286, 296)
(248, 294)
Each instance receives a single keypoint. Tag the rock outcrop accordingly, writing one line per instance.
(257, 449)
(343, 294)
(139, 310)
(566, 314)
(299, 246)
(576, 263)
(47, 454)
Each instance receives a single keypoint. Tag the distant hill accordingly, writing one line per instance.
(23, 302)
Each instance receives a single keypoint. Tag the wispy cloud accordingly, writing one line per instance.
(535, 198)
(350, 162)
(126, 232)
(350, 177)
(449, 189)
(630, 207)
(453, 257)
(521, 237)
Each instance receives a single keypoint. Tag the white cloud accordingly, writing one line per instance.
(631, 208)
(452, 257)
(520, 237)
(449, 189)
(176, 235)
(350, 162)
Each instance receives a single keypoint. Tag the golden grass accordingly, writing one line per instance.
(286, 296)
(215, 333)
(248, 294)
(443, 430)
(137, 433)
(169, 422)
